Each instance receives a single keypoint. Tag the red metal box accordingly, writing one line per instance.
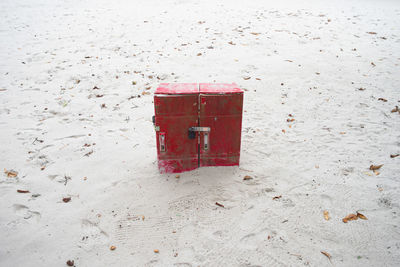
(197, 125)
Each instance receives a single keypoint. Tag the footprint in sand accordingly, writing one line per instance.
(24, 212)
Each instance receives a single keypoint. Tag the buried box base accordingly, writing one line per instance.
(183, 165)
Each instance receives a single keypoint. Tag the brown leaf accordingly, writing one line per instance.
(375, 167)
(156, 251)
(145, 93)
(396, 109)
(382, 99)
(350, 217)
(113, 247)
(246, 78)
(371, 32)
(11, 173)
(247, 177)
(290, 120)
(219, 204)
(283, 131)
(277, 197)
(199, 54)
(373, 64)
(394, 155)
(177, 176)
(22, 191)
(66, 199)
(327, 254)
(361, 216)
(255, 33)
(231, 43)
(70, 263)
(326, 215)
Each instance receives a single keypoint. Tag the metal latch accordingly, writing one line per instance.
(199, 129)
(206, 130)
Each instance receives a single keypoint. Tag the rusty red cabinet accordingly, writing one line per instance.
(197, 125)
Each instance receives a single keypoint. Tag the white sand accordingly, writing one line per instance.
(320, 163)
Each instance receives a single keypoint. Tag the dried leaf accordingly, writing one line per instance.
(283, 131)
(113, 247)
(371, 32)
(382, 99)
(177, 176)
(255, 33)
(66, 199)
(350, 217)
(396, 109)
(23, 191)
(394, 155)
(277, 197)
(199, 54)
(156, 251)
(375, 167)
(231, 43)
(326, 215)
(361, 216)
(219, 204)
(11, 173)
(373, 64)
(246, 78)
(247, 177)
(290, 120)
(70, 263)
(326, 254)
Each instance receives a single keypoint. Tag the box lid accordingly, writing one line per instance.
(177, 88)
(220, 88)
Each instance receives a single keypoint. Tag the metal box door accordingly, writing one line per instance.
(174, 115)
(222, 113)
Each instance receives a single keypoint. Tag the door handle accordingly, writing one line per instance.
(162, 142)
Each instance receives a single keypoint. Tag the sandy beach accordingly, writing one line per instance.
(78, 155)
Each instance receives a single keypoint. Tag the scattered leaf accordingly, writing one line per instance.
(290, 120)
(66, 199)
(156, 251)
(361, 216)
(361, 89)
(350, 217)
(277, 197)
(88, 154)
(247, 177)
(283, 131)
(396, 109)
(219, 204)
(326, 215)
(246, 78)
(394, 155)
(375, 167)
(327, 254)
(231, 43)
(177, 176)
(199, 54)
(113, 247)
(255, 33)
(70, 263)
(373, 64)
(382, 99)
(145, 93)
(10, 173)
(23, 191)
(371, 32)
